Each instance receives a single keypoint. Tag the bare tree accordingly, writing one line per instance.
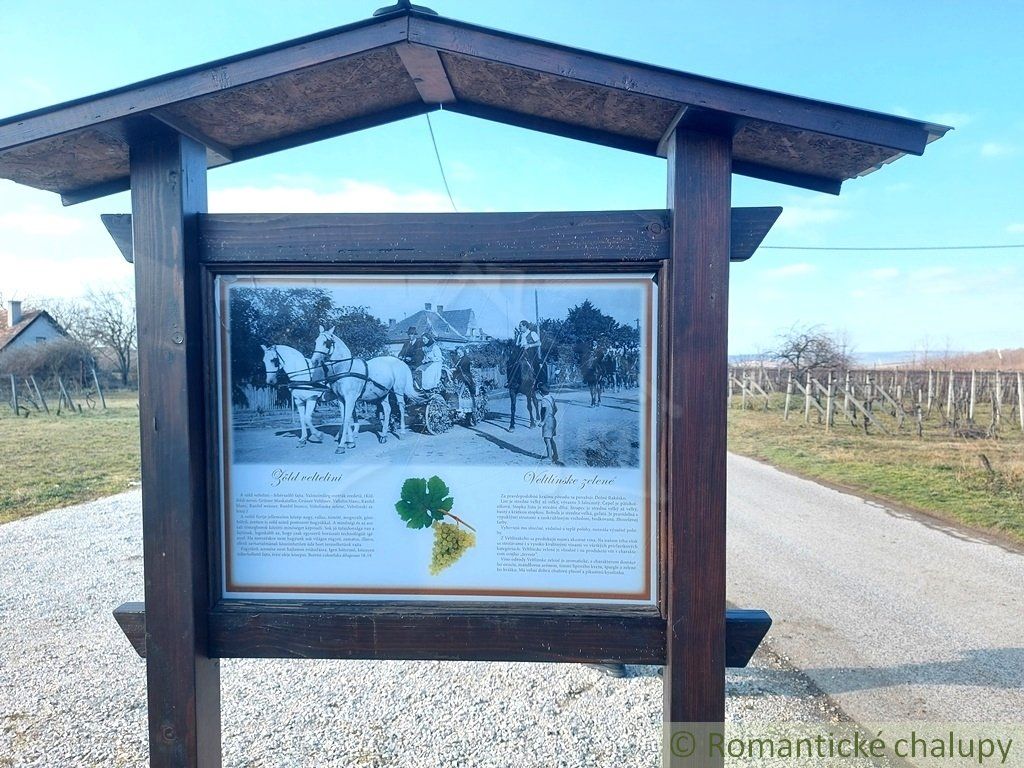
(110, 326)
(813, 348)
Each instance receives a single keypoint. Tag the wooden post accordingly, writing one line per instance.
(949, 398)
(997, 400)
(743, 391)
(789, 394)
(931, 389)
(168, 181)
(64, 394)
(1020, 399)
(807, 400)
(828, 405)
(14, 395)
(700, 167)
(970, 407)
(39, 393)
(99, 390)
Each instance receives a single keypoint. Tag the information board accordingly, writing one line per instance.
(376, 441)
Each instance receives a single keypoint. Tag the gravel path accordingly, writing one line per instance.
(72, 692)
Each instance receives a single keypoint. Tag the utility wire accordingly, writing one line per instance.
(440, 165)
(889, 248)
(447, 189)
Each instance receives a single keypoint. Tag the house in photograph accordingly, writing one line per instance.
(452, 328)
(24, 328)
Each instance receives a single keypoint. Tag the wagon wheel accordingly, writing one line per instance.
(437, 417)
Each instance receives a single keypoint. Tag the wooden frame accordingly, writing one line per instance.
(704, 638)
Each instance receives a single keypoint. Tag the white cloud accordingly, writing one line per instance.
(35, 220)
(998, 149)
(790, 270)
(955, 119)
(350, 196)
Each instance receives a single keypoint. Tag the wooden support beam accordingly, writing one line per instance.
(168, 175)
(641, 235)
(699, 183)
(187, 129)
(418, 631)
(427, 72)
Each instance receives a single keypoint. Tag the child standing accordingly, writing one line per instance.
(548, 422)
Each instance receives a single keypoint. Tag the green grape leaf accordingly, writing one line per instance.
(423, 501)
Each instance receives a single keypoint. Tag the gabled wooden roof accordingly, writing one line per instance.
(407, 63)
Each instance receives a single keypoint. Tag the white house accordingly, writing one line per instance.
(20, 329)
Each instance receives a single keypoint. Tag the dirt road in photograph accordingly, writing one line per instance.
(895, 617)
(602, 436)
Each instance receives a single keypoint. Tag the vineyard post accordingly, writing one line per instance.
(931, 388)
(789, 394)
(14, 395)
(39, 394)
(828, 404)
(1020, 399)
(997, 399)
(970, 407)
(743, 391)
(99, 390)
(949, 398)
(807, 400)
(846, 395)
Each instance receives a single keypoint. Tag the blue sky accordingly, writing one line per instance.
(955, 63)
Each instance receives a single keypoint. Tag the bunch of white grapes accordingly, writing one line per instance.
(450, 541)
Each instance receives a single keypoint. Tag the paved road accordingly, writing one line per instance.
(895, 618)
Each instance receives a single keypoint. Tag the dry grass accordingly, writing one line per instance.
(977, 482)
(989, 360)
(53, 461)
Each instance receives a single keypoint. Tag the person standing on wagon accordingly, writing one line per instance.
(548, 422)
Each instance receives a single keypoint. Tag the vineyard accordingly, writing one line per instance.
(947, 443)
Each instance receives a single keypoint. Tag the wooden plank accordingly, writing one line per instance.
(168, 173)
(427, 72)
(333, 130)
(201, 80)
(381, 237)
(843, 122)
(554, 127)
(694, 598)
(790, 178)
(407, 631)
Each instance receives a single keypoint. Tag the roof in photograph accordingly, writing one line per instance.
(423, 321)
(408, 63)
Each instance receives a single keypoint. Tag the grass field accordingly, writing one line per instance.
(937, 474)
(53, 461)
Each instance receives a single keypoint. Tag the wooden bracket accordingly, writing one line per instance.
(427, 71)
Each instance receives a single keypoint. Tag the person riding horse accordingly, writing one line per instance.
(527, 338)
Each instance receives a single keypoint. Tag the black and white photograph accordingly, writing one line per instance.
(516, 370)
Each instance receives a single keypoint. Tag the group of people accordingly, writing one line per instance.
(423, 354)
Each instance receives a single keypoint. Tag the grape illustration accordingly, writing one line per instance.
(450, 542)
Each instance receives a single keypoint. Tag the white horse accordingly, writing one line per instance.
(278, 359)
(375, 380)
